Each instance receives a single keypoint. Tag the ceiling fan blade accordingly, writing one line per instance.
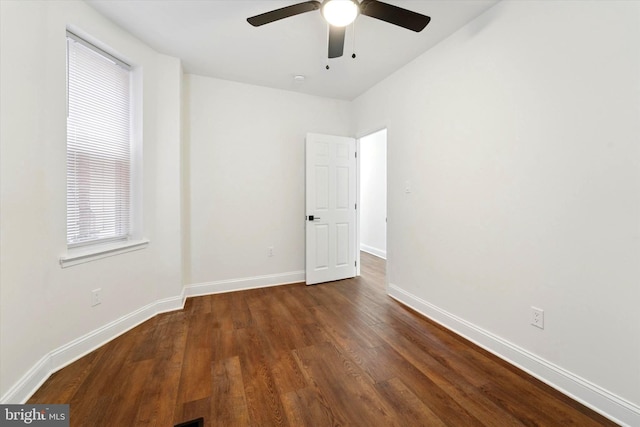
(336, 41)
(394, 15)
(285, 12)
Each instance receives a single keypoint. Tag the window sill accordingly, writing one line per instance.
(87, 254)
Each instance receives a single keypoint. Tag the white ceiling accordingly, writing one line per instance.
(213, 38)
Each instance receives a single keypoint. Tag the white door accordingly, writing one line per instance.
(330, 208)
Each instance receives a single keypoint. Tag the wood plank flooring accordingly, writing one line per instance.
(335, 354)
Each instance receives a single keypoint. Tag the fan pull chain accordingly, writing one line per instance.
(353, 47)
(327, 38)
(353, 41)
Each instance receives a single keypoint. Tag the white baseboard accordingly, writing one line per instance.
(72, 351)
(241, 284)
(373, 251)
(591, 395)
(585, 392)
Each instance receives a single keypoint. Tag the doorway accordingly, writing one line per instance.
(372, 208)
(346, 204)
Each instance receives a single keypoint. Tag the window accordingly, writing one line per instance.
(99, 160)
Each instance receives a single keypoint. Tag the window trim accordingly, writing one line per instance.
(83, 252)
(88, 253)
(103, 52)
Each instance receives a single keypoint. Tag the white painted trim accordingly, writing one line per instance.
(358, 205)
(373, 251)
(72, 351)
(84, 254)
(244, 283)
(591, 395)
(29, 383)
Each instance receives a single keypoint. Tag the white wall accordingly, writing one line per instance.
(246, 154)
(45, 311)
(373, 193)
(519, 134)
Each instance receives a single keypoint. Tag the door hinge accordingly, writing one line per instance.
(356, 206)
(355, 264)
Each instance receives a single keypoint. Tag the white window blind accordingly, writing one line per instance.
(98, 145)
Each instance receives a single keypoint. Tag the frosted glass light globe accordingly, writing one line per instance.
(339, 13)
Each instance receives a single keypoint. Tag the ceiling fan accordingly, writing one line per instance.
(340, 13)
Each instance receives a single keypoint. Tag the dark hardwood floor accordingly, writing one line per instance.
(335, 354)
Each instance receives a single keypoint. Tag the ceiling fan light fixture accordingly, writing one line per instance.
(340, 13)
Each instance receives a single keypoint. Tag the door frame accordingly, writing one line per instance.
(359, 193)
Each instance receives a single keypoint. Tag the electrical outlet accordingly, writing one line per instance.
(537, 317)
(96, 297)
(270, 251)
